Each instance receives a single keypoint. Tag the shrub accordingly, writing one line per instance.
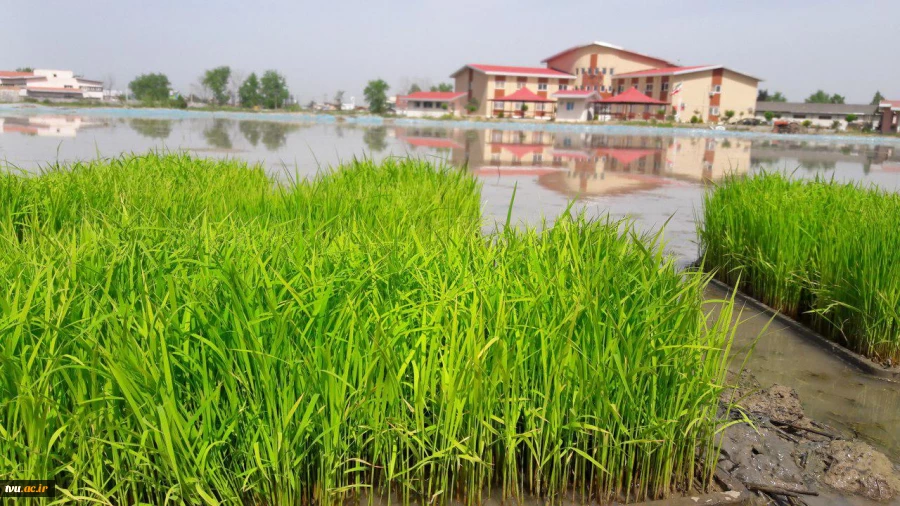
(696, 119)
(807, 123)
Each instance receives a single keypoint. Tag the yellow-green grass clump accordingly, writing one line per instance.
(175, 329)
(825, 252)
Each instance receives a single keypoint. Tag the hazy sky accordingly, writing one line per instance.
(843, 46)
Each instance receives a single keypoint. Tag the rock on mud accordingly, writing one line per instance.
(854, 467)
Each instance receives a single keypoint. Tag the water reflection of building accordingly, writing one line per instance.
(594, 164)
(49, 126)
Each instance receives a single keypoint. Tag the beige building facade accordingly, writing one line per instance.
(705, 91)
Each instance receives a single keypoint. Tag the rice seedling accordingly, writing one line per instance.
(821, 251)
(178, 330)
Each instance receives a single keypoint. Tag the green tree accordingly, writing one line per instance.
(216, 134)
(249, 92)
(152, 128)
(851, 118)
(762, 96)
(820, 97)
(878, 98)
(339, 99)
(273, 90)
(150, 87)
(472, 105)
(25, 69)
(728, 115)
(769, 115)
(376, 95)
(442, 87)
(777, 97)
(216, 80)
(414, 89)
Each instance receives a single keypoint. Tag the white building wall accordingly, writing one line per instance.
(580, 110)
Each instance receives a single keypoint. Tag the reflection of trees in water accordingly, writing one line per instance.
(272, 133)
(818, 164)
(216, 134)
(376, 138)
(153, 128)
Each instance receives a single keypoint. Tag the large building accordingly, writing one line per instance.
(705, 91)
(52, 84)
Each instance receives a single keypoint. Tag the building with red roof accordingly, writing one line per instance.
(51, 84)
(706, 91)
(424, 104)
(889, 112)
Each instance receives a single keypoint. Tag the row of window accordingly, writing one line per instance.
(595, 71)
(517, 106)
(499, 84)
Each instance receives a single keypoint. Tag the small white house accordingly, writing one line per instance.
(431, 104)
(575, 105)
(48, 83)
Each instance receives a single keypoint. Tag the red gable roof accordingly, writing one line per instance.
(631, 96)
(523, 95)
(889, 103)
(438, 96)
(504, 70)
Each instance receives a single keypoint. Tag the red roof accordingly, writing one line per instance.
(53, 90)
(516, 71)
(432, 142)
(667, 71)
(603, 44)
(889, 103)
(523, 95)
(631, 96)
(8, 73)
(439, 96)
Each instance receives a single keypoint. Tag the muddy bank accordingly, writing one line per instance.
(782, 456)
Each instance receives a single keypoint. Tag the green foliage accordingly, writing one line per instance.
(188, 331)
(249, 92)
(851, 118)
(273, 90)
(25, 69)
(523, 108)
(820, 97)
(835, 125)
(150, 87)
(878, 98)
(769, 115)
(414, 89)
(728, 115)
(777, 97)
(807, 123)
(178, 102)
(442, 87)
(820, 251)
(376, 95)
(472, 105)
(216, 80)
(696, 119)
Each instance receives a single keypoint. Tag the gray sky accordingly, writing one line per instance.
(797, 46)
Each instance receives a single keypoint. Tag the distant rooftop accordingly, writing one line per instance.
(606, 45)
(805, 108)
(504, 70)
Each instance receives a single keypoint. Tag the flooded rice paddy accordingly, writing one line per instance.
(655, 178)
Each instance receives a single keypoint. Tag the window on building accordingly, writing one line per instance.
(538, 107)
(602, 87)
(648, 89)
(542, 86)
(612, 71)
(517, 106)
(825, 117)
(665, 86)
(621, 88)
(498, 106)
(417, 104)
(500, 84)
(717, 88)
(713, 111)
(583, 70)
(570, 105)
(595, 87)
(428, 105)
(604, 70)
(563, 87)
(800, 116)
(520, 85)
(495, 157)
(537, 157)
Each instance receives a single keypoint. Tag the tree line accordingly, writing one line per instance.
(223, 85)
(819, 97)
